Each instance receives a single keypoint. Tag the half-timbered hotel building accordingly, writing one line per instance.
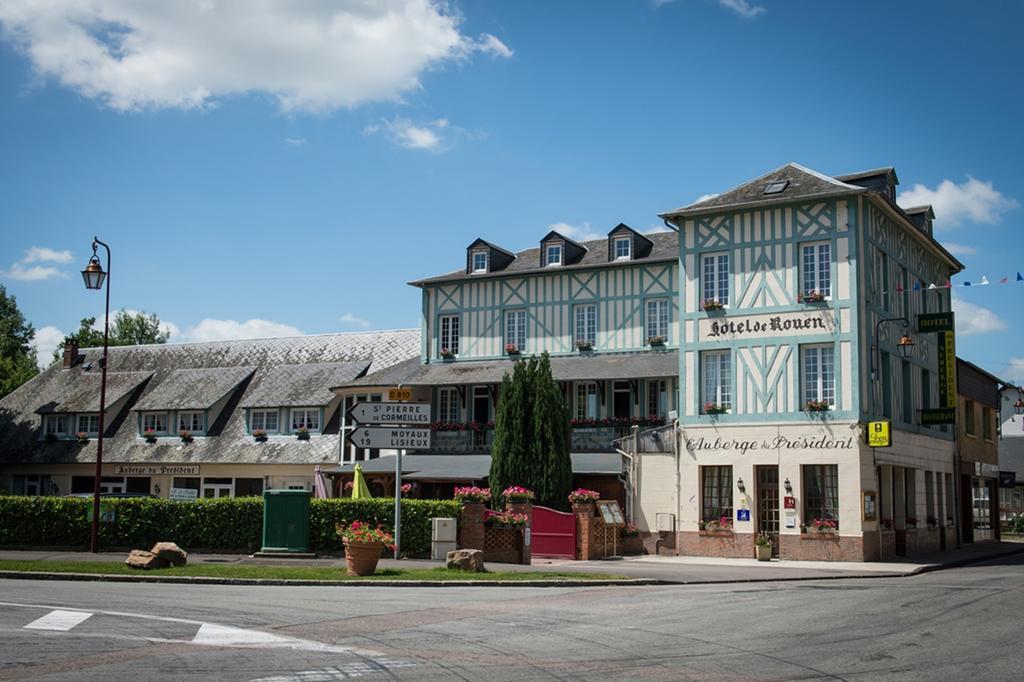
(796, 291)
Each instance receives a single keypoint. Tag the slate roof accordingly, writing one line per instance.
(195, 389)
(442, 467)
(804, 183)
(302, 385)
(597, 366)
(79, 391)
(227, 441)
(666, 248)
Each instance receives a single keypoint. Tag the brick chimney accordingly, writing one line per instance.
(70, 354)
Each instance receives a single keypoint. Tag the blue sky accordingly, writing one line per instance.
(266, 171)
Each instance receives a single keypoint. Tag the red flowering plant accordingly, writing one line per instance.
(511, 349)
(630, 531)
(149, 435)
(587, 422)
(82, 437)
(723, 522)
(461, 426)
(406, 488)
(447, 354)
(714, 408)
(813, 405)
(363, 533)
(583, 495)
(517, 493)
(472, 494)
(508, 519)
(824, 525)
(812, 296)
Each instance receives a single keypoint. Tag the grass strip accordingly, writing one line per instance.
(257, 572)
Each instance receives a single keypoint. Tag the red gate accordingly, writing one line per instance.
(553, 533)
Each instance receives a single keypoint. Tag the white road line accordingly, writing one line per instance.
(58, 620)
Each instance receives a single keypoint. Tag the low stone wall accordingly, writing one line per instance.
(821, 547)
(922, 541)
(717, 543)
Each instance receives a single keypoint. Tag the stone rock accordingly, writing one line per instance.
(471, 560)
(171, 552)
(140, 558)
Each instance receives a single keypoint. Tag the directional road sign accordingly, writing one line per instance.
(390, 437)
(390, 413)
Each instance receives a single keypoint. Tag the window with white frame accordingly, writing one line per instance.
(586, 323)
(553, 254)
(479, 261)
(586, 400)
(657, 398)
(448, 405)
(306, 418)
(449, 334)
(515, 329)
(191, 421)
(657, 318)
(623, 248)
(264, 420)
(819, 374)
(716, 278)
(717, 380)
(155, 422)
(55, 425)
(816, 261)
(88, 424)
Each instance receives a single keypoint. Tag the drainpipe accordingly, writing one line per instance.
(669, 225)
(679, 480)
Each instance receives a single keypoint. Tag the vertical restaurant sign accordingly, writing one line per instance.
(947, 370)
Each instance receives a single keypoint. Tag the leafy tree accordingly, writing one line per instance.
(126, 329)
(531, 435)
(17, 356)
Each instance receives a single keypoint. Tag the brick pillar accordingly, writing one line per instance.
(524, 508)
(585, 537)
(584, 508)
(471, 526)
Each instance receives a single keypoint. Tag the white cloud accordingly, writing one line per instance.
(1016, 371)
(974, 319)
(405, 133)
(230, 330)
(295, 141)
(23, 270)
(310, 56)
(350, 319)
(959, 249)
(45, 342)
(973, 200)
(580, 233)
(742, 8)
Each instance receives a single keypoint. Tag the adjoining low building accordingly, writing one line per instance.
(225, 418)
(977, 449)
(1011, 453)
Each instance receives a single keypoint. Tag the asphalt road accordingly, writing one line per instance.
(955, 624)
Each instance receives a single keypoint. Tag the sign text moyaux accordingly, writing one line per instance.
(776, 443)
(772, 324)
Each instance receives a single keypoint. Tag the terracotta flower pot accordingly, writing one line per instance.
(361, 558)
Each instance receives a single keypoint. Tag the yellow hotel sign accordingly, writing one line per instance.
(399, 394)
(879, 435)
(947, 370)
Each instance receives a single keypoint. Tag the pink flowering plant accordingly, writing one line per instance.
(630, 531)
(363, 533)
(406, 488)
(511, 349)
(723, 522)
(583, 495)
(472, 494)
(509, 519)
(824, 525)
(711, 304)
(517, 493)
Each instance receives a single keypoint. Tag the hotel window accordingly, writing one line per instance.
(553, 254)
(448, 405)
(717, 379)
(192, 422)
(449, 334)
(716, 493)
(306, 418)
(89, 424)
(586, 400)
(986, 423)
(969, 418)
(622, 248)
(55, 425)
(155, 422)
(657, 398)
(479, 261)
(264, 420)
(586, 323)
(716, 278)
(819, 372)
(657, 318)
(515, 329)
(821, 492)
(817, 268)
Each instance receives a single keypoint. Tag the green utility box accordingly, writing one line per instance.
(286, 521)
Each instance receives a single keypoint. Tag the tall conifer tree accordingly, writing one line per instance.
(552, 473)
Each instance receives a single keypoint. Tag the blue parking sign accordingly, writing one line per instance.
(742, 514)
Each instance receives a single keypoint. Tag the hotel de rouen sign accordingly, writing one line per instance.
(814, 321)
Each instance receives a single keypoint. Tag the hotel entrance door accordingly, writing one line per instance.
(768, 504)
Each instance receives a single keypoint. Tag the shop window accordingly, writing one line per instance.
(186, 482)
(716, 493)
(31, 484)
(248, 487)
(821, 492)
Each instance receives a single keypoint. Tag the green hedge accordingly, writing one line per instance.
(225, 524)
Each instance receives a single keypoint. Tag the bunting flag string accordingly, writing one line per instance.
(921, 286)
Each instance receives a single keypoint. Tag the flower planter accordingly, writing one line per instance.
(656, 341)
(361, 558)
(302, 436)
(763, 552)
(715, 533)
(587, 509)
(820, 535)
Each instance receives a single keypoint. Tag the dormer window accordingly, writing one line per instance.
(623, 248)
(553, 254)
(479, 261)
(155, 422)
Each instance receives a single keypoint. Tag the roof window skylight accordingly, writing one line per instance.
(776, 187)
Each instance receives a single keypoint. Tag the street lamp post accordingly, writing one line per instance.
(94, 276)
(905, 344)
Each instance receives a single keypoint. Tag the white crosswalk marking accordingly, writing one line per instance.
(58, 620)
